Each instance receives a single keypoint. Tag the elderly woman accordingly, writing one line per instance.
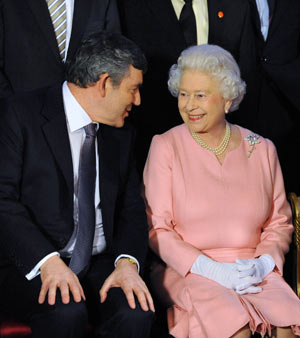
(217, 210)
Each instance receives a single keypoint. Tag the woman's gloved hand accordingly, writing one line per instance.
(231, 275)
(263, 265)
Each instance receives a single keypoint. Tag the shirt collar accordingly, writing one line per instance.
(77, 117)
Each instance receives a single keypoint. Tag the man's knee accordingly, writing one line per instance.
(135, 322)
(67, 314)
(119, 320)
(61, 320)
(134, 316)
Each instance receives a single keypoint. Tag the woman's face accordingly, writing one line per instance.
(200, 103)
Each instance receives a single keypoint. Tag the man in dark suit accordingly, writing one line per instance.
(277, 115)
(29, 53)
(155, 26)
(72, 218)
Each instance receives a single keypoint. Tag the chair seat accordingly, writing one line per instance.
(10, 328)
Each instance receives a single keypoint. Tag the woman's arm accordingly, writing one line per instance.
(277, 231)
(164, 239)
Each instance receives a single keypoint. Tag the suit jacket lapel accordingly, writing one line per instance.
(56, 134)
(41, 14)
(164, 12)
(256, 19)
(109, 164)
(279, 11)
(81, 14)
(281, 8)
(214, 22)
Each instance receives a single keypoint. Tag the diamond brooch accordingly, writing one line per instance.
(252, 139)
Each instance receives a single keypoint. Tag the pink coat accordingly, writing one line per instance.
(235, 210)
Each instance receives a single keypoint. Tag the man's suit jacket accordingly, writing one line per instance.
(36, 184)
(153, 25)
(279, 58)
(29, 55)
(278, 113)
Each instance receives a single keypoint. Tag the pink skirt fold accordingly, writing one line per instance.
(201, 308)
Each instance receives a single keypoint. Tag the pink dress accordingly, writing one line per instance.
(235, 210)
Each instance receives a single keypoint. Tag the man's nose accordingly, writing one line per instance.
(137, 98)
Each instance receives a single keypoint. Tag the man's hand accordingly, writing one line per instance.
(127, 278)
(56, 274)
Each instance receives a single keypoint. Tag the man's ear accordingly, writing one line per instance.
(103, 84)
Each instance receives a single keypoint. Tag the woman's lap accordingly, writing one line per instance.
(220, 311)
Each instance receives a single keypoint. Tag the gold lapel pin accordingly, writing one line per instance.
(220, 14)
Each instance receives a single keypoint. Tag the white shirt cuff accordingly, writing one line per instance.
(36, 270)
(128, 256)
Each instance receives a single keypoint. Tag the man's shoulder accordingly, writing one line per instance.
(28, 104)
(30, 97)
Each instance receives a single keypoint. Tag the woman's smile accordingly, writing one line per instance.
(196, 117)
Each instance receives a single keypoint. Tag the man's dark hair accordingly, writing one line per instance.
(101, 53)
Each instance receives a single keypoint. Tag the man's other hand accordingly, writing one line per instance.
(127, 278)
(55, 274)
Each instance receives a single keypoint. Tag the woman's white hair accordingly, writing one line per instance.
(215, 62)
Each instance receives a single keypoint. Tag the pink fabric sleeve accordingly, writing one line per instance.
(277, 231)
(164, 239)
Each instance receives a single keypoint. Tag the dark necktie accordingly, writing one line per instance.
(86, 203)
(187, 22)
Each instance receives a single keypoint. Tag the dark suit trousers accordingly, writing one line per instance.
(113, 318)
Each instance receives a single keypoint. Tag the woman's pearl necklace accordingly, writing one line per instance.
(220, 148)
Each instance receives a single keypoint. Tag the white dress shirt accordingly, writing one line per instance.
(263, 11)
(77, 119)
(201, 15)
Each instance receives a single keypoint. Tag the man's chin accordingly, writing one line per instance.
(120, 124)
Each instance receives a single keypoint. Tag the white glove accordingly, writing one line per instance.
(250, 289)
(263, 265)
(227, 274)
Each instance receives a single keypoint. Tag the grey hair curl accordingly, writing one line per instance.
(215, 62)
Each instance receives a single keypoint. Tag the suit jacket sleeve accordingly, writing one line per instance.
(5, 87)
(277, 231)
(286, 78)
(131, 233)
(21, 240)
(164, 240)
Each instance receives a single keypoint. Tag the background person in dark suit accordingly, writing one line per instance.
(44, 197)
(277, 115)
(29, 54)
(155, 26)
